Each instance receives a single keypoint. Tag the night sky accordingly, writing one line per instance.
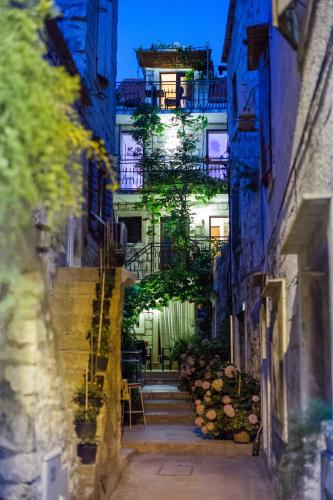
(190, 22)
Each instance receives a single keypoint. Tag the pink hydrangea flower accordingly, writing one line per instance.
(202, 363)
(253, 419)
(210, 426)
(217, 384)
(206, 385)
(230, 371)
(255, 398)
(199, 421)
(211, 414)
(190, 361)
(197, 402)
(229, 411)
(226, 400)
(198, 383)
(193, 369)
(200, 409)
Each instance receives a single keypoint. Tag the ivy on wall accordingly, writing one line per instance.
(41, 138)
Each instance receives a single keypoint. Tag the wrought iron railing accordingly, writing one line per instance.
(200, 95)
(132, 177)
(156, 256)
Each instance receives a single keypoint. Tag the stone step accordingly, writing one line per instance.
(76, 288)
(170, 417)
(164, 392)
(179, 439)
(70, 274)
(160, 381)
(168, 404)
(161, 375)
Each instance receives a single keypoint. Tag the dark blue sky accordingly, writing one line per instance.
(190, 22)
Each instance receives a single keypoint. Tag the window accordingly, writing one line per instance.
(217, 147)
(105, 39)
(130, 154)
(134, 228)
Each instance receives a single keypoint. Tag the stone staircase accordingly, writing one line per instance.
(165, 404)
(71, 304)
(170, 423)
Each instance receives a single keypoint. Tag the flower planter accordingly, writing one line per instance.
(101, 363)
(241, 437)
(85, 429)
(87, 453)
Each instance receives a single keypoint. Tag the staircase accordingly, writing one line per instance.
(71, 303)
(165, 404)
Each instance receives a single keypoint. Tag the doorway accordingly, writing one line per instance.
(173, 90)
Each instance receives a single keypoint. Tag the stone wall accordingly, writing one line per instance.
(33, 415)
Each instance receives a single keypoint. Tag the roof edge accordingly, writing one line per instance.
(228, 32)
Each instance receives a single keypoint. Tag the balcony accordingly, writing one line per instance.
(132, 178)
(190, 95)
(157, 256)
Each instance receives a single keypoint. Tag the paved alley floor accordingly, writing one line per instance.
(193, 477)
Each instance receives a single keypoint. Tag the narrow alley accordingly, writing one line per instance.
(166, 250)
(168, 458)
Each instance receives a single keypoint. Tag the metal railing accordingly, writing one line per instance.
(195, 95)
(156, 256)
(132, 177)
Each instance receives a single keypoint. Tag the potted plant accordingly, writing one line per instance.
(94, 395)
(86, 450)
(85, 422)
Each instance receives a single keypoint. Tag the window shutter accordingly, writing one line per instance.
(265, 118)
(104, 49)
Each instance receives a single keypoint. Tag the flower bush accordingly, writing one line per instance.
(225, 400)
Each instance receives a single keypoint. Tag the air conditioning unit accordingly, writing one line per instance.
(246, 107)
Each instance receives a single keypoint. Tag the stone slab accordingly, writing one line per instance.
(179, 439)
(212, 477)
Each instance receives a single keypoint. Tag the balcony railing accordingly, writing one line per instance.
(132, 177)
(156, 256)
(190, 95)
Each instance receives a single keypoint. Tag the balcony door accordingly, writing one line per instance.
(173, 90)
(130, 174)
(217, 144)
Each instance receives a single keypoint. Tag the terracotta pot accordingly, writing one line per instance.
(241, 437)
(85, 429)
(87, 453)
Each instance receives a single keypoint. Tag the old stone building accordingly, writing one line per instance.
(44, 347)
(174, 78)
(279, 57)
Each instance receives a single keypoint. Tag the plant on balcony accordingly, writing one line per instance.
(94, 396)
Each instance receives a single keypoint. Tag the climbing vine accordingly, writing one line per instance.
(174, 181)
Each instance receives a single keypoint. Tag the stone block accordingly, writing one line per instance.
(16, 429)
(21, 378)
(20, 468)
